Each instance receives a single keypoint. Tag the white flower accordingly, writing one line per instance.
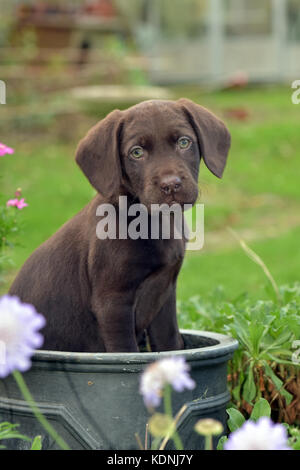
(19, 337)
(260, 435)
(173, 371)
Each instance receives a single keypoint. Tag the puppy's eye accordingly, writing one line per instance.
(137, 152)
(184, 143)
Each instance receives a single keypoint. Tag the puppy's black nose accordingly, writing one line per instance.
(170, 184)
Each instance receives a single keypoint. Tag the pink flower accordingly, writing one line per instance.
(12, 202)
(4, 149)
(20, 204)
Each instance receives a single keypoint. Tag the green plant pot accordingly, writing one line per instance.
(93, 400)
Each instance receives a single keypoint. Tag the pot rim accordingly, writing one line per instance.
(225, 346)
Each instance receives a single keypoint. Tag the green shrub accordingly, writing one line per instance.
(267, 332)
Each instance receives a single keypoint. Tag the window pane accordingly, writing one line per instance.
(248, 17)
(293, 16)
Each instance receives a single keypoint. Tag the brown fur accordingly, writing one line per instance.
(103, 295)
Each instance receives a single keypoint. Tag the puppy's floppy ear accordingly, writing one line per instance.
(98, 155)
(212, 134)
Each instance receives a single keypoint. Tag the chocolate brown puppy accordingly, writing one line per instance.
(106, 294)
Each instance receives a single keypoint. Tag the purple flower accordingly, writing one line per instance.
(173, 371)
(4, 149)
(19, 336)
(260, 435)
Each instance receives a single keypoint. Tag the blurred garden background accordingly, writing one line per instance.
(66, 64)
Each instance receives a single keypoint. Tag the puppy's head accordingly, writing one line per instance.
(152, 151)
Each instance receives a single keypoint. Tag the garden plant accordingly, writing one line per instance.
(19, 323)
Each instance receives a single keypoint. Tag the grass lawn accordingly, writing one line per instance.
(259, 196)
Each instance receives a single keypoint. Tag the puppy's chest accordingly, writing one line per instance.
(158, 284)
(160, 254)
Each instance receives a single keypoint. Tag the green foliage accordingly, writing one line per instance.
(9, 227)
(294, 437)
(9, 431)
(265, 331)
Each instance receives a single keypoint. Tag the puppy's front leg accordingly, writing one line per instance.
(163, 332)
(115, 316)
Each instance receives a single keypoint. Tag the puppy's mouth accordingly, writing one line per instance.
(169, 202)
(185, 197)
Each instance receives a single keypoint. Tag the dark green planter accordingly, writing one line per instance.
(93, 400)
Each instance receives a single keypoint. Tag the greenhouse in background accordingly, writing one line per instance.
(217, 40)
(206, 41)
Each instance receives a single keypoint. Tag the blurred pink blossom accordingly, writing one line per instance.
(19, 203)
(4, 149)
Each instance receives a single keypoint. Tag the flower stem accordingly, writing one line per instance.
(176, 419)
(155, 443)
(168, 410)
(208, 442)
(39, 416)
(168, 400)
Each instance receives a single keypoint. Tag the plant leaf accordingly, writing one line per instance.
(249, 388)
(261, 408)
(277, 383)
(236, 419)
(221, 442)
(8, 431)
(36, 443)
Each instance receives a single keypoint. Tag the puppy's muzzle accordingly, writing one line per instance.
(170, 184)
